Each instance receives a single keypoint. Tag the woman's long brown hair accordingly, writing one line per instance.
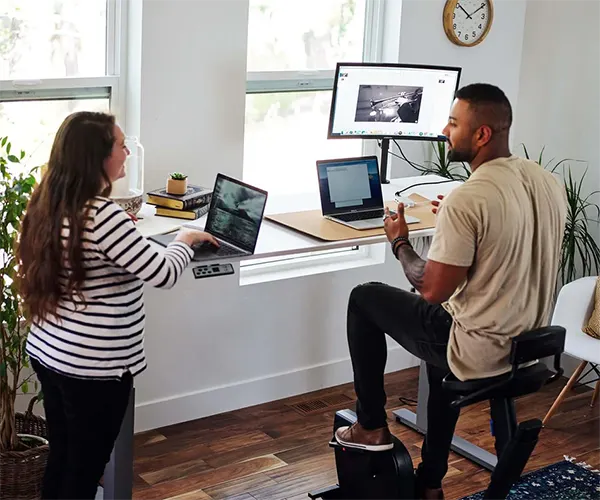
(74, 176)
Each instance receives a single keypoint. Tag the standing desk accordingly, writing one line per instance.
(274, 241)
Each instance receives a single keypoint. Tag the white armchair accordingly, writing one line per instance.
(573, 309)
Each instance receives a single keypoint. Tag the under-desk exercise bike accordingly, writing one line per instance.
(390, 474)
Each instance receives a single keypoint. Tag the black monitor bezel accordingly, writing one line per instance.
(354, 159)
(331, 135)
(212, 209)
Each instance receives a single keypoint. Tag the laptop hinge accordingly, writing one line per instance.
(232, 245)
(359, 211)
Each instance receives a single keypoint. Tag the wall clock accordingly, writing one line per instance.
(467, 22)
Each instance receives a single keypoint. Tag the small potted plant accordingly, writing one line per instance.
(177, 183)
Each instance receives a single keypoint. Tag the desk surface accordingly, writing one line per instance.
(275, 240)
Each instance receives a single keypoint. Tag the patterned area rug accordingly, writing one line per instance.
(566, 480)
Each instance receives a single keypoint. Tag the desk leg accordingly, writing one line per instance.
(118, 475)
(418, 422)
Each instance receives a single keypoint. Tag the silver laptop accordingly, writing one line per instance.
(350, 190)
(234, 219)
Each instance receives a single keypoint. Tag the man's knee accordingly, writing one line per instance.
(362, 293)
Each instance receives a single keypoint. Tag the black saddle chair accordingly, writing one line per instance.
(390, 474)
(514, 443)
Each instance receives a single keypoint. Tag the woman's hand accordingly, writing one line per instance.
(192, 237)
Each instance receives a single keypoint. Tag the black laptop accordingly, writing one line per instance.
(234, 219)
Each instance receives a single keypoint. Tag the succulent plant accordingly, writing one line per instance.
(178, 176)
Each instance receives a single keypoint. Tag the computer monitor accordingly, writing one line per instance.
(391, 101)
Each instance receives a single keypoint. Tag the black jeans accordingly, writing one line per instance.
(84, 418)
(423, 329)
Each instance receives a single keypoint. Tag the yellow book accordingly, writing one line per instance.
(194, 213)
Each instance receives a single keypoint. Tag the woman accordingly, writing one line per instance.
(83, 266)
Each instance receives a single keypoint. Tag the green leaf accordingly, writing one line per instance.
(25, 387)
(13, 158)
(8, 147)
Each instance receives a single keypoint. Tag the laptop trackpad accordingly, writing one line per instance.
(367, 223)
(377, 223)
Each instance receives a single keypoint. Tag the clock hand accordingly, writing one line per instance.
(461, 8)
(476, 10)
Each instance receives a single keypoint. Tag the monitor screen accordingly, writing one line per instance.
(236, 212)
(400, 101)
(349, 184)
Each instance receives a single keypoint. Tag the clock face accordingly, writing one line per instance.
(470, 20)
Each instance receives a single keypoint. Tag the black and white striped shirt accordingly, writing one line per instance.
(103, 335)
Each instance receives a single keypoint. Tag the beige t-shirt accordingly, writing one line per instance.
(506, 224)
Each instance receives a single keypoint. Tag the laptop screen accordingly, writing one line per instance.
(349, 185)
(236, 212)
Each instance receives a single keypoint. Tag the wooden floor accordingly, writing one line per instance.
(279, 450)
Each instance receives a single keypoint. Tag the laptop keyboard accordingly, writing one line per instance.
(222, 251)
(371, 214)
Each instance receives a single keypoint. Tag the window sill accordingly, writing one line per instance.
(306, 265)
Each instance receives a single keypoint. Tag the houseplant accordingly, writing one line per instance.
(177, 183)
(440, 164)
(580, 253)
(23, 448)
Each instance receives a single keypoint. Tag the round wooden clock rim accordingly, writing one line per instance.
(449, 22)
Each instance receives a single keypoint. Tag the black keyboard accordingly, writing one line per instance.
(371, 214)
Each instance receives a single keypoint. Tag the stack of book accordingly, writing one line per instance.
(191, 205)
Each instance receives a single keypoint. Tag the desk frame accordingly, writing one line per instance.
(118, 474)
(418, 422)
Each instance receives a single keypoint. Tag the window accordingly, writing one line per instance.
(293, 48)
(292, 52)
(56, 57)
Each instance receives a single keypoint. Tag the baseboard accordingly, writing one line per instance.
(154, 414)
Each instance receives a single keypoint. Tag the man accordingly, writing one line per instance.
(490, 275)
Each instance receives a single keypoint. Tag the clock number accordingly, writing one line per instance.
(474, 34)
(480, 27)
(466, 37)
(454, 15)
(483, 4)
(459, 33)
(482, 16)
(454, 25)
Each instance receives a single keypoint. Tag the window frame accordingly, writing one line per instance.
(287, 81)
(111, 85)
(261, 82)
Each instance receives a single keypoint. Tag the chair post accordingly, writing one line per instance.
(513, 460)
(595, 395)
(504, 423)
(564, 392)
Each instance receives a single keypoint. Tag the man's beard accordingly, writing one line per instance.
(455, 155)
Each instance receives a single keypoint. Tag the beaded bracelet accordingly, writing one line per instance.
(399, 238)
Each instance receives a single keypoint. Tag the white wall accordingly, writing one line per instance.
(193, 87)
(559, 92)
(496, 60)
(213, 346)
